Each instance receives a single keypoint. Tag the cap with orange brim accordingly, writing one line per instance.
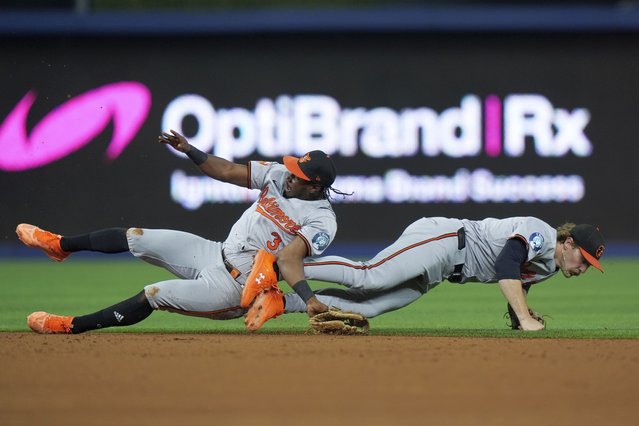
(590, 242)
(314, 166)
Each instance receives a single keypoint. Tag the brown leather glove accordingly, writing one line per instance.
(335, 321)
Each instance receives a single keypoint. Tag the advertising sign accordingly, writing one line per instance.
(418, 125)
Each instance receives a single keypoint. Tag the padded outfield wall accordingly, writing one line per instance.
(420, 123)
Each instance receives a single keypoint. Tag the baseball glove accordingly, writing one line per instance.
(335, 321)
(514, 321)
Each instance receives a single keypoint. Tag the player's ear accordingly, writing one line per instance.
(316, 189)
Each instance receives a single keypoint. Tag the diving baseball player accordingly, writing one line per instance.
(515, 252)
(292, 217)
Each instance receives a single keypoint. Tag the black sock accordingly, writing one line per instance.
(127, 312)
(111, 240)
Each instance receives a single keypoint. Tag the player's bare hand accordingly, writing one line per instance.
(176, 140)
(530, 324)
(314, 307)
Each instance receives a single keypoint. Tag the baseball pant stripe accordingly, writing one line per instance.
(200, 314)
(386, 259)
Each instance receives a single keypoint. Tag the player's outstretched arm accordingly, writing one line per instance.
(508, 270)
(290, 262)
(215, 167)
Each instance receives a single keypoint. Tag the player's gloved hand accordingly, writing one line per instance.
(530, 324)
(314, 307)
(335, 321)
(176, 140)
(533, 322)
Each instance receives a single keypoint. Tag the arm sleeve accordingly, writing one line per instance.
(509, 261)
(319, 234)
(258, 173)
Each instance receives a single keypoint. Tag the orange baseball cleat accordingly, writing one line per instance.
(44, 323)
(268, 304)
(262, 276)
(35, 237)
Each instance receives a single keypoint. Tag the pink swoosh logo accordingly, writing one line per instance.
(73, 125)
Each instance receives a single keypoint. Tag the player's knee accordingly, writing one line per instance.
(369, 311)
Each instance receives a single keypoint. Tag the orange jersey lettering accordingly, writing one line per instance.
(273, 210)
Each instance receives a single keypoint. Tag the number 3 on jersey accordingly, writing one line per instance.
(275, 242)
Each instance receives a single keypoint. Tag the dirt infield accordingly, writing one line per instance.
(180, 379)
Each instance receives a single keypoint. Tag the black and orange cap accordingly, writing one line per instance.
(315, 166)
(590, 243)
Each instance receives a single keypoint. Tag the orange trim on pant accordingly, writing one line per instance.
(200, 314)
(421, 243)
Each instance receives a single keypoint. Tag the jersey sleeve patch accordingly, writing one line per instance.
(320, 241)
(536, 241)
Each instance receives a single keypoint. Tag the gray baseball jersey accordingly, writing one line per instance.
(426, 254)
(485, 239)
(205, 287)
(273, 221)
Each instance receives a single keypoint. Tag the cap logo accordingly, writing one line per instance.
(599, 251)
(305, 158)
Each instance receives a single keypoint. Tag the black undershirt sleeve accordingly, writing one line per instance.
(509, 261)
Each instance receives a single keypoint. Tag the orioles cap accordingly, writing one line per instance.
(314, 166)
(590, 243)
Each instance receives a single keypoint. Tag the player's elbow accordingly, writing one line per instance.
(226, 171)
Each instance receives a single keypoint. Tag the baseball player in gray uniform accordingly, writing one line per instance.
(516, 252)
(292, 217)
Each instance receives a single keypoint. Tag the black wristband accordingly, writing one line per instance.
(303, 290)
(197, 156)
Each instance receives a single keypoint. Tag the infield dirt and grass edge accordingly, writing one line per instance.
(601, 306)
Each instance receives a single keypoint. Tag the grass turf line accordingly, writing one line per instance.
(592, 306)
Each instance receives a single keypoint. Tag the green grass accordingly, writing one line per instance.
(591, 306)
